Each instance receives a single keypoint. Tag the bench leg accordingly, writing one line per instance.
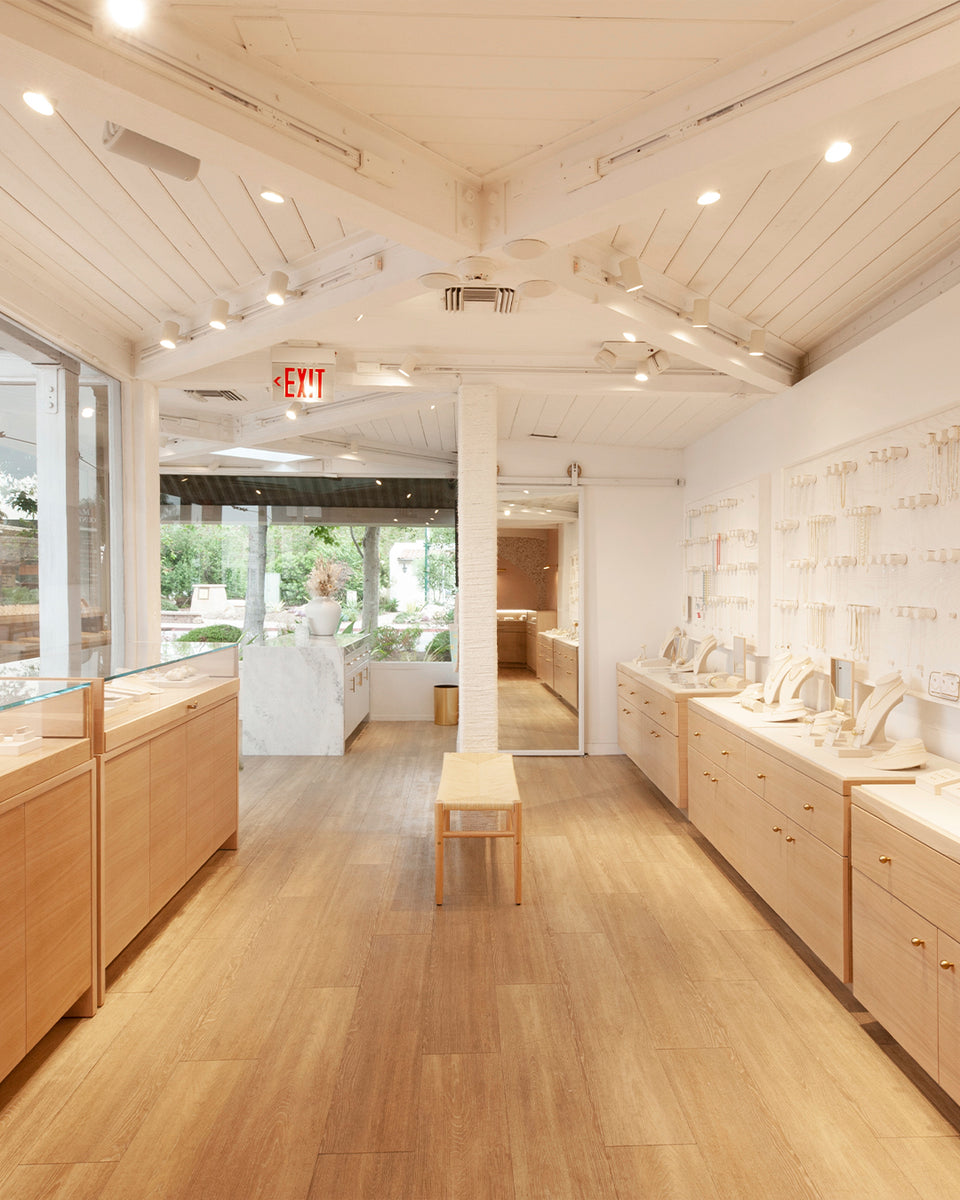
(438, 833)
(517, 847)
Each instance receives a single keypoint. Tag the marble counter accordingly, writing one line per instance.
(293, 698)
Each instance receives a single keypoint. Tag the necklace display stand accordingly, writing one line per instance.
(798, 672)
(873, 712)
(778, 670)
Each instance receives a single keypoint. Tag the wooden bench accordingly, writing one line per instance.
(478, 782)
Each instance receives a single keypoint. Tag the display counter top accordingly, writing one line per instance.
(792, 739)
(916, 811)
(45, 729)
(673, 683)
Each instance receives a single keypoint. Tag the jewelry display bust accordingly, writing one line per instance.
(873, 712)
(798, 672)
(778, 669)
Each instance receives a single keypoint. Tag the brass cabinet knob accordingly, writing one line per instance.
(706, 774)
(777, 829)
(625, 710)
(194, 704)
(713, 779)
(884, 858)
(808, 808)
(646, 701)
(724, 753)
(791, 839)
(654, 733)
(760, 775)
(946, 964)
(696, 733)
(663, 712)
(917, 942)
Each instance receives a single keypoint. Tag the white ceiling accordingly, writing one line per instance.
(411, 136)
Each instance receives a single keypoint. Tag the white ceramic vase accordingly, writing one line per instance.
(322, 614)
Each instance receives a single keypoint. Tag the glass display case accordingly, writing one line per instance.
(45, 729)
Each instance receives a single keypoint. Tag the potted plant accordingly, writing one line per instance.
(322, 612)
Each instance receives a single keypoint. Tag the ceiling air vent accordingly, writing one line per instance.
(217, 394)
(478, 297)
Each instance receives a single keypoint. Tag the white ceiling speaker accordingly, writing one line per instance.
(630, 278)
(476, 267)
(525, 248)
(436, 281)
(147, 152)
(536, 289)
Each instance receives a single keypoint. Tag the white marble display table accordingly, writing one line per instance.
(304, 699)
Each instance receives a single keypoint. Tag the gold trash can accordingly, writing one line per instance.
(446, 704)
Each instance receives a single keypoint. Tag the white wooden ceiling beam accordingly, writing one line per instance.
(213, 104)
(885, 56)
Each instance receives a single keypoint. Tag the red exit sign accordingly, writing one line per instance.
(295, 382)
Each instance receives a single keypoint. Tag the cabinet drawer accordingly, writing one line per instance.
(724, 749)
(703, 783)
(920, 876)
(628, 733)
(818, 908)
(813, 805)
(896, 969)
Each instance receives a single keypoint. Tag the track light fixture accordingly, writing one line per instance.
(408, 365)
(630, 278)
(220, 315)
(642, 373)
(277, 289)
(169, 335)
(294, 411)
(605, 358)
(757, 346)
(700, 316)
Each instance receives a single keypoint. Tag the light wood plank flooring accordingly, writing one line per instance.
(302, 1023)
(531, 716)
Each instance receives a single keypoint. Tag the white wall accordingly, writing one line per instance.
(631, 564)
(906, 372)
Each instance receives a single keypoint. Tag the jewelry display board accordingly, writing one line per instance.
(726, 567)
(868, 555)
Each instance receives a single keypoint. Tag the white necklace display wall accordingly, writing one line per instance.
(867, 555)
(726, 566)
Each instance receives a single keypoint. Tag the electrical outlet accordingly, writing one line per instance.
(944, 685)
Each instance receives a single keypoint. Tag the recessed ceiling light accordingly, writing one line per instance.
(837, 152)
(39, 103)
(536, 289)
(271, 197)
(436, 281)
(708, 197)
(128, 14)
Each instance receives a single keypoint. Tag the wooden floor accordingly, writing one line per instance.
(303, 1022)
(531, 716)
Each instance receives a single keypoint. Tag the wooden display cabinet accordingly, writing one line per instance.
(48, 861)
(168, 795)
(905, 854)
(777, 807)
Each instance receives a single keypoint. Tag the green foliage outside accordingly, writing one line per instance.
(212, 633)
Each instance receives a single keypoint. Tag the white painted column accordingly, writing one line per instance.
(477, 539)
(141, 512)
(58, 516)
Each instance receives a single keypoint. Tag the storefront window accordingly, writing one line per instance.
(57, 580)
